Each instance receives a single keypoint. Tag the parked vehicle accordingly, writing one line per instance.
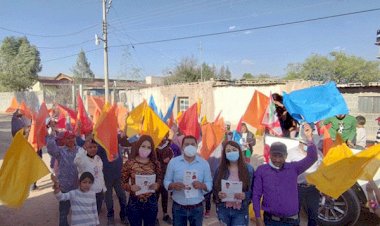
(334, 212)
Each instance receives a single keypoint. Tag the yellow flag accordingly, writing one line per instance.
(134, 120)
(340, 171)
(21, 168)
(154, 126)
(204, 120)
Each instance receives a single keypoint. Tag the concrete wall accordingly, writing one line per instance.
(352, 100)
(32, 99)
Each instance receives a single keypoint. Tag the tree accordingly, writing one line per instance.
(82, 71)
(224, 73)
(248, 76)
(338, 67)
(19, 64)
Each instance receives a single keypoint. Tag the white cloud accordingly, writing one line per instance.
(247, 32)
(233, 27)
(247, 62)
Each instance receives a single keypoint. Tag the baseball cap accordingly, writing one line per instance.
(69, 134)
(278, 147)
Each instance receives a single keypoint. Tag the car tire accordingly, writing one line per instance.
(338, 212)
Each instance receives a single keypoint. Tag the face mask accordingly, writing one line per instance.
(232, 156)
(190, 151)
(272, 165)
(144, 153)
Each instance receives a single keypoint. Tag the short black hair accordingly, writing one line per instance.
(86, 175)
(189, 137)
(360, 120)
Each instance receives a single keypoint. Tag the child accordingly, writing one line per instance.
(361, 137)
(87, 160)
(83, 201)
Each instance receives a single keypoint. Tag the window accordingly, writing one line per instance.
(183, 103)
(369, 104)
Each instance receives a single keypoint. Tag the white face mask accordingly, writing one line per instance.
(272, 165)
(190, 151)
(144, 152)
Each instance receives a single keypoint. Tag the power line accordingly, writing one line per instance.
(50, 36)
(252, 28)
(232, 31)
(65, 47)
(76, 54)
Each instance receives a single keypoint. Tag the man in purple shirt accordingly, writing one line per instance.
(276, 183)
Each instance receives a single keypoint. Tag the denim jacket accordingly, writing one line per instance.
(248, 194)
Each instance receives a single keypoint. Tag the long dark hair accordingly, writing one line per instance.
(136, 146)
(223, 168)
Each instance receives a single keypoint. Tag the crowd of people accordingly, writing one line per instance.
(84, 177)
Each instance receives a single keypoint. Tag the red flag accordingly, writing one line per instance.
(188, 122)
(238, 128)
(212, 136)
(256, 109)
(14, 106)
(270, 119)
(38, 132)
(105, 131)
(68, 112)
(82, 117)
(61, 121)
(327, 141)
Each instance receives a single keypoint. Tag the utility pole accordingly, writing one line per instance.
(378, 42)
(200, 53)
(105, 46)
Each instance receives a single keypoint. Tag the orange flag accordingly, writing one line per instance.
(14, 106)
(99, 103)
(38, 132)
(105, 132)
(86, 124)
(256, 110)
(25, 110)
(121, 113)
(212, 136)
(188, 122)
(328, 143)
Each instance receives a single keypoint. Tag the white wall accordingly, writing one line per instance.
(32, 99)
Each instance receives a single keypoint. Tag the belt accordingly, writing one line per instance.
(305, 185)
(281, 219)
(189, 207)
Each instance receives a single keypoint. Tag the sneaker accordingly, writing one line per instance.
(111, 222)
(207, 214)
(167, 219)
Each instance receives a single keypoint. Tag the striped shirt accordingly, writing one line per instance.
(83, 207)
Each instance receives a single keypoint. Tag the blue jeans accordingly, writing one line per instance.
(115, 184)
(64, 209)
(181, 215)
(232, 217)
(139, 212)
(309, 201)
(268, 221)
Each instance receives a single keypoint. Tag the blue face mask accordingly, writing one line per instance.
(232, 156)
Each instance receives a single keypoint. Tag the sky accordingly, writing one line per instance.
(61, 28)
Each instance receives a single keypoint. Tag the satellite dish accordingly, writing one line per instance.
(96, 40)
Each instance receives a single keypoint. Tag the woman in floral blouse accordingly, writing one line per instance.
(138, 178)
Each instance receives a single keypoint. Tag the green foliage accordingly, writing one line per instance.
(81, 71)
(248, 76)
(19, 64)
(188, 70)
(338, 67)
